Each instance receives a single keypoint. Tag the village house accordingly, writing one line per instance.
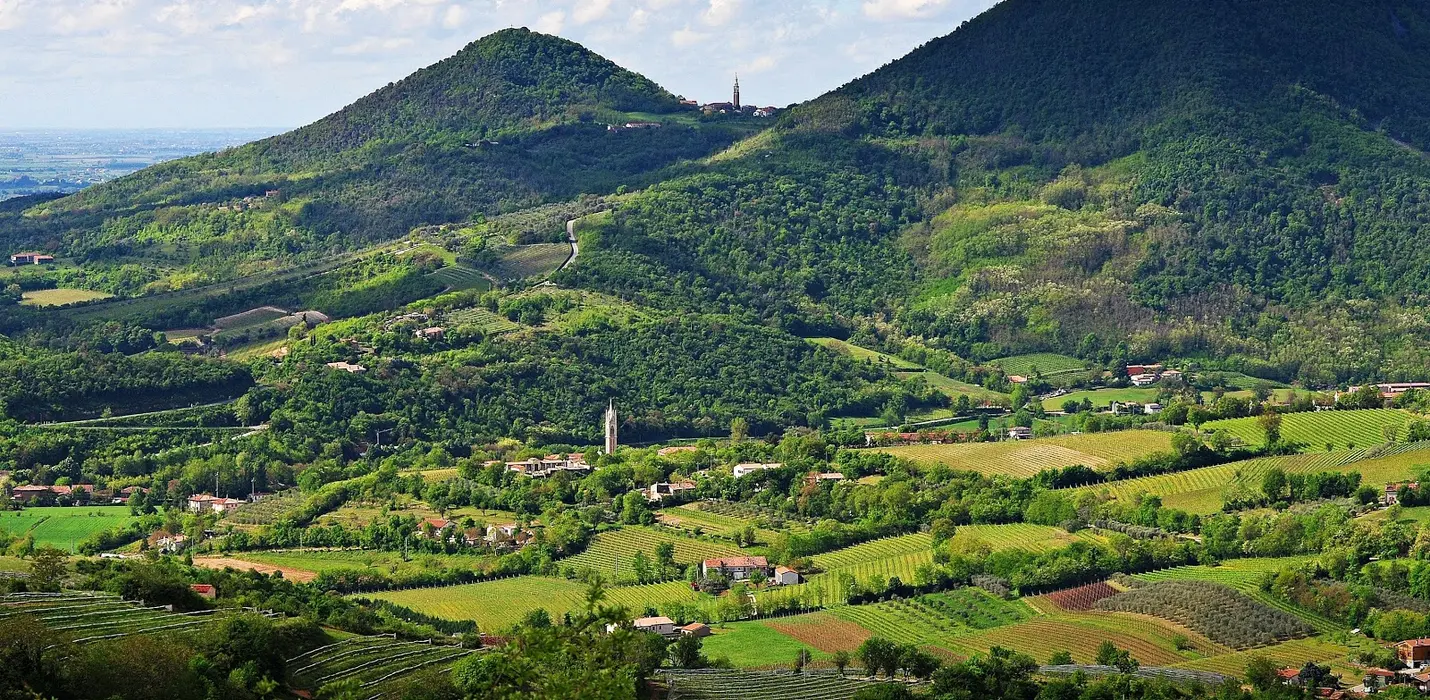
(204, 590)
(1017, 379)
(166, 543)
(199, 503)
(1392, 491)
(542, 467)
(1019, 432)
(1154, 370)
(25, 494)
(439, 528)
(347, 367)
(751, 467)
(1414, 653)
(1152, 409)
(660, 625)
(1376, 679)
(508, 536)
(31, 258)
(817, 477)
(1144, 379)
(661, 490)
(433, 333)
(735, 568)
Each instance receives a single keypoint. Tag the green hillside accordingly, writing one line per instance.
(511, 121)
(1197, 182)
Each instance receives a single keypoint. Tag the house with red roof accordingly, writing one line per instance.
(735, 568)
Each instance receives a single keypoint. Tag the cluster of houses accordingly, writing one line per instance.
(1414, 654)
(666, 627)
(1391, 390)
(79, 493)
(31, 258)
(542, 467)
(497, 536)
(205, 503)
(1147, 375)
(1392, 491)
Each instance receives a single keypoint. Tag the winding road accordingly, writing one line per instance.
(575, 246)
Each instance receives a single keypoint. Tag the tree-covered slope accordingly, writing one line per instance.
(513, 120)
(1117, 177)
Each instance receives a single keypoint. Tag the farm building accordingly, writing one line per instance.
(735, 568)
(750, 468)
(204, 590)
(785, 576)
(696, 629)
(203, 502)
(1392, 491)
(168, 543)
(660, 625)
(541, 467)
(661, 490)
(1134, 370)
(24, 494)
(817, 477)
(433, 333)
(31, 258)
(346, 367)
(1144, 379)
(1018, 432)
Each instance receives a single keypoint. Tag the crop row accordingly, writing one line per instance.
(1317, 429)
(1219, 612)
(764, 685)
(488, 321)
(1081, 598)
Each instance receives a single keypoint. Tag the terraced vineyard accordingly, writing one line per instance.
(523, 261)
(495, 605)
(1025, 458)
(765, 685)
(1314, 430)
(1202, 490)
(1034, 538)
(1046, 363)
(488, 321)
(1293, 653)
(459, 277)
(376, 663)
(611, 552)
(269, 510)
(82, 617)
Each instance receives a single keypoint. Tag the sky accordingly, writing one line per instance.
(285, 63)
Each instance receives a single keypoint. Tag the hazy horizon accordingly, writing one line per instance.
(218, 64)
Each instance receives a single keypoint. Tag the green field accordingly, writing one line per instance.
(1044, 363)
(1202, 490)
(64, 528)
(611, 552)
(495, 605)
(696, 520)
(755, 645)
(1025, 458)
(952, 387)
(1314, 430)
(60, 297)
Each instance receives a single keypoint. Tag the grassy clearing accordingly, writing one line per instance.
(1100, 398)
(1315, 430)
(64, 528)
(255, 350)
(952, 387)
(1025, 458)
(60, 297)
(612, 552)
(865, 354)
(1045, 363)
(1202, 491)
(496, 605)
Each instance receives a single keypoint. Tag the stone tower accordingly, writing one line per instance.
(737, 92)
(611, 428)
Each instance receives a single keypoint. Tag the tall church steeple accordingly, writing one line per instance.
(737, 91)
(611, 428)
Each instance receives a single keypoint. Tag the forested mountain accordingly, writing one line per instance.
(1236, 180)
(511, 121)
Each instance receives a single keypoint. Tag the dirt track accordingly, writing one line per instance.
(298, 575)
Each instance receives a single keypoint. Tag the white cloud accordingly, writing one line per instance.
(550, 23)
(721, 12)
(455, 16)
(372, 45)
(686, 37)
(640, 17)
(760, 64)
(903, 9)
(588, 11)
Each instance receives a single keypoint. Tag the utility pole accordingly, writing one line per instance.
(379, 432)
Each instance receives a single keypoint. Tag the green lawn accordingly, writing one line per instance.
(1100, 398)
(60, 297)
(495, 605)
(64, 528)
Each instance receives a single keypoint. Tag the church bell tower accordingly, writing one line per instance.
(611, 428)
(736, 102)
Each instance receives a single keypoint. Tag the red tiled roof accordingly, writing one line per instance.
(746, 562)
(201, 588)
